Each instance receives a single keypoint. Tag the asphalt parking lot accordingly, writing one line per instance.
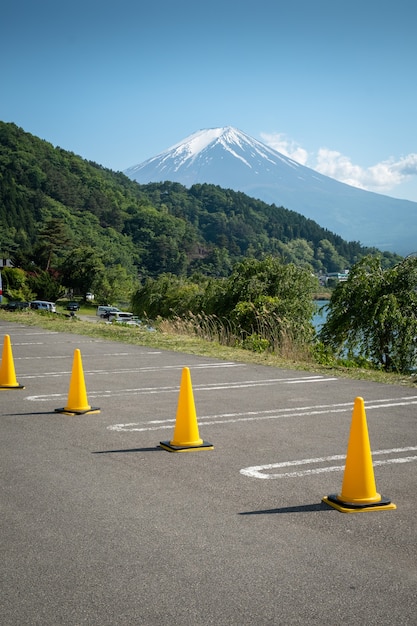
(101, 526)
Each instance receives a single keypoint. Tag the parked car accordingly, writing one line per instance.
(104, 310)
(43, 305)
(132, 321)
(119, 316)
(15, 306)
(73, 306)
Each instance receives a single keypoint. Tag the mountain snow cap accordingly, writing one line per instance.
(230, 139)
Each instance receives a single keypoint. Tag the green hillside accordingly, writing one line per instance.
(88, 228)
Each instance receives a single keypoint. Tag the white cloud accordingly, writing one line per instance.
(287, 147)
(381, 177)
(336, 165)
(407, 165)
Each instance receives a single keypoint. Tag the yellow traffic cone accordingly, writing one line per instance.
(77, 403)
(186, 437)
(358, 488)
(7, 371)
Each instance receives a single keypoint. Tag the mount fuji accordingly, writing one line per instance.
(231, 159)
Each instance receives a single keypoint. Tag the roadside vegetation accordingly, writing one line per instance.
(374, 311)
(175, 336)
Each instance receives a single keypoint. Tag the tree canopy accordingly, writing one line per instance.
(374, 314)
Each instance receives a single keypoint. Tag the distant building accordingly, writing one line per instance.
(5, 263)
(339, 276)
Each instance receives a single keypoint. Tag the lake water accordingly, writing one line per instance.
(320, 316)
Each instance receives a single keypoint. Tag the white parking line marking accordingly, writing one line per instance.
(131, 370)
(54, 332)
(148, 368)
(258, 471)
(172, 389)
(70, 355)
(249, 416)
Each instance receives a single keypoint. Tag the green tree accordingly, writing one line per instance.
(53, 238)
(166, 296)
(45, 285)
(266, 293)
(329, 258)
(302, 252)
(113, 285)
(83, 269)
(15, 284)
(8, 243)
(251, 279)
(374, 314)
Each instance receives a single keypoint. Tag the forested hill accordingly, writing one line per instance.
(57, 210)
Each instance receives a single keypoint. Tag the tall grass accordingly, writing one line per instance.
(270, 335)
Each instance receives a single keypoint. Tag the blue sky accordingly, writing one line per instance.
(331, 84)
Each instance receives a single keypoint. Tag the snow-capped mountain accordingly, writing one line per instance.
(231, 159)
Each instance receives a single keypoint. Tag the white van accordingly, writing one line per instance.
(103, 311)
(120, 316)
(43, 305)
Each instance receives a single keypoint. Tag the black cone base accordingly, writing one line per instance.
(354, 507)
(92, 409)
(167, 445)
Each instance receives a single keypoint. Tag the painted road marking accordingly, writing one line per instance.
(175, 389)
(131, 370)
(70, 354)
(272, 414)
(25, 334)
(258, 471)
